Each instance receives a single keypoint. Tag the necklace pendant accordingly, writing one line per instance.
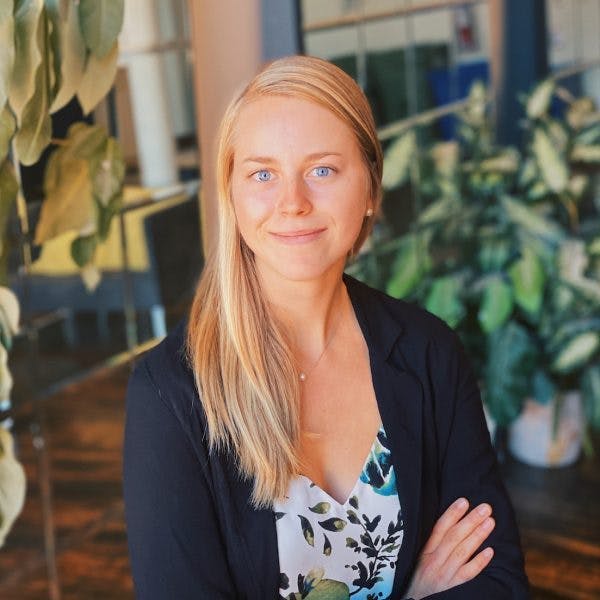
(302, 376)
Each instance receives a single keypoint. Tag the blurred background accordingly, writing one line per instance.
(487, 112)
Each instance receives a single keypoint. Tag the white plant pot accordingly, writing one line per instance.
(530, 436)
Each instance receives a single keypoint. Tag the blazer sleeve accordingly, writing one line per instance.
(468, 467)
(175, 546)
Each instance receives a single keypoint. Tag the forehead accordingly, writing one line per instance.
(273, 123)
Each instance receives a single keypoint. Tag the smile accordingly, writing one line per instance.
(302, 236)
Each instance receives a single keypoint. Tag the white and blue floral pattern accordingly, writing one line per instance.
(334, 551)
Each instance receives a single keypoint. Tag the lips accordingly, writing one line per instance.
(300, 236)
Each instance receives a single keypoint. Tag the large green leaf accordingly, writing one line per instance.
(493, 253)
(539, 100)
(12, 476)
(397, 161)
(84, 141)
(437, 211)
(29, 28)
(474, 112)
(69, 204)
(579, 112)
(69, 47)
(496, 304)
(97, 79)
(107, 172)
(7, 49)
(101, 22)
(586, 154)
(35, 131)
(8, 126)
(530, 221)
(590, 388)
(9, 316)
(52, 44)
(510, 362)
(590, 135)
(444, 299)
(445, 157)
(83, 249)
(577, 352)
(553, 166)
(544, 390)
(569, 329)
(9, 189)
(507, 161)
(410, 265)
(528, 279)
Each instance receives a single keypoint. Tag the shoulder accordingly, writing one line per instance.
(164, 373)
(393, 322)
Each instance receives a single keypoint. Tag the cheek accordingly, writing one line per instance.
(251, 208)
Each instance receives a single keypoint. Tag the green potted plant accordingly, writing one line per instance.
(51, 51)
(506, 249)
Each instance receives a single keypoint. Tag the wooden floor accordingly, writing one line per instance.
(558, 511)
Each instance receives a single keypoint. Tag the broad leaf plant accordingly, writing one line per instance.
(506, 248)
(50, 52)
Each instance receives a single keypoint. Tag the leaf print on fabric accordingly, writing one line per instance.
(307, 530)
(378, 471)
(352, 517)
(333, 524)
(366, 578)
(320, 508)
(381, 551)
(371, 525)
(312, 586)
(328, 589)
(311, 579)
(360, 563)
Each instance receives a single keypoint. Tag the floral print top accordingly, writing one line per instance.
(334, 551)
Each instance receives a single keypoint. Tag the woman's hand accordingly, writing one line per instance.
(447, 559)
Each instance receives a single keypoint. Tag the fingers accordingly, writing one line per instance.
(460, 532)
(447, 559)
(471, 569)
(452, 515)
(466, 537)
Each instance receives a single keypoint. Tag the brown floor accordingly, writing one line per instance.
(84, 431)
(558, 511)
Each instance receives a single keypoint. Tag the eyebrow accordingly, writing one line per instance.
(270, 159)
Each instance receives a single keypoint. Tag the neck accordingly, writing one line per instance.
(310, 311)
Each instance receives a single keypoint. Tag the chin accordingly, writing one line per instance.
(304, 272)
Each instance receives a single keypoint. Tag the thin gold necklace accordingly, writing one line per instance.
(302, 375)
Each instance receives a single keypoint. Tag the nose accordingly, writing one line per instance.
(293, 198)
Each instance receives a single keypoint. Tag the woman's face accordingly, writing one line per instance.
(300, 188)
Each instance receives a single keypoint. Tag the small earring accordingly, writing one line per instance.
(369, 212)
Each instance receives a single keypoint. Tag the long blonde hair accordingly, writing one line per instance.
(243, 365)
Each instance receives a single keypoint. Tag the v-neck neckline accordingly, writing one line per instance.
(357, 481)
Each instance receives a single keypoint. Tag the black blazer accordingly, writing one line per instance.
(191, 529)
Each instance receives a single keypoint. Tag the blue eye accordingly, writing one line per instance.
(263, 175)
(322, 171)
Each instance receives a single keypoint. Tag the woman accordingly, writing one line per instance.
(304, 436)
